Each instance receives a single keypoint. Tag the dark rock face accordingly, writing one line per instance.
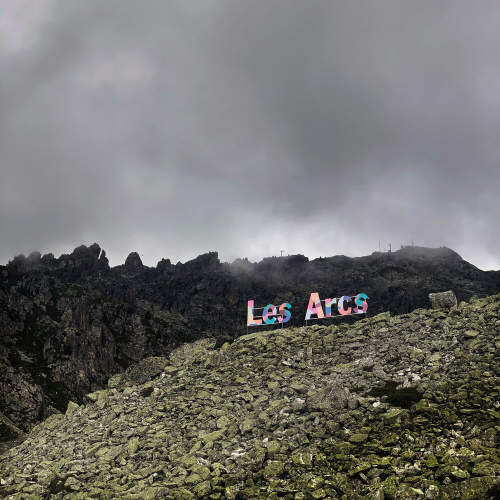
(8, 431)
(67, 324)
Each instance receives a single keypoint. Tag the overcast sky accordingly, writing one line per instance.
(248, 127)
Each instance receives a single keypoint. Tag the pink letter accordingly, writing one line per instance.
(314, 306)
(250, 320)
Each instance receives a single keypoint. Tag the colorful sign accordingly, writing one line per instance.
(359, 306)
(343, 306)
(269, 314)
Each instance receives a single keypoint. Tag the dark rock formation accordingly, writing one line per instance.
(133, 262)
(8, 431)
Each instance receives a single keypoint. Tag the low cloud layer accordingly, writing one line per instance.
(178, 127)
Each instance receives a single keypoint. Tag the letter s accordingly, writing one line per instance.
(360, 301)
(285, 314)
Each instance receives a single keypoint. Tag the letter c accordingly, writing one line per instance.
(343, 311)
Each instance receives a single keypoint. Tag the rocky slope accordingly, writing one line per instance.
(388, 407)
(68, 324)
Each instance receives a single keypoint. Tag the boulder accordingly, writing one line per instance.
(443, 300)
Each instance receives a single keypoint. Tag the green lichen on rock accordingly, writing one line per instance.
(72, 407)
(388, 407)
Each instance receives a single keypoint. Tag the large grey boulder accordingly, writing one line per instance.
(443, 300)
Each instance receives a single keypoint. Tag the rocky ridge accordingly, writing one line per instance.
(389, 407)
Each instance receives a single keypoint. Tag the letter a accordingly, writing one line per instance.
(314, 307)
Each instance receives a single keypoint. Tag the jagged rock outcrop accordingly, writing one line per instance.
(133, 262)
(67, 324)
(389, 407)
(82, 261)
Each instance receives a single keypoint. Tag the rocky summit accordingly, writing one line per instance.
(389, 407)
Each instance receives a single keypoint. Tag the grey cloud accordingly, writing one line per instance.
(174, 128)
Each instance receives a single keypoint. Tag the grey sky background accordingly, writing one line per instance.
(177, 127)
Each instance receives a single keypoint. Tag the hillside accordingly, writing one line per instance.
(67, 324)
(395, 407)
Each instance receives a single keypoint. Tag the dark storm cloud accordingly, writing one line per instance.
(174, 128)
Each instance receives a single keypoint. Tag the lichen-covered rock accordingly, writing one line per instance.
(443, 300)
(343, 411)
(72, 407)
(142, 372)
